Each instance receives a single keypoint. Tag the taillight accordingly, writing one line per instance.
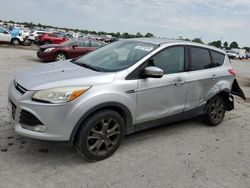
(232, 71)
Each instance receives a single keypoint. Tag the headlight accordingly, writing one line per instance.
(49, 49)
(59, 95)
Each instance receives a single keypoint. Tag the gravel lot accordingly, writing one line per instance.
(187, 154)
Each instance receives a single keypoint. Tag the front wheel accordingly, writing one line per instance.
(100, 135)
(15, 41)
(215, 111)
(60, 56)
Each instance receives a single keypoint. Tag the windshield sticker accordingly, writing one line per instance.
(144, 48)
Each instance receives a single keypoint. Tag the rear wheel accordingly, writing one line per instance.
(60, 56)
(100, 135)
(215, 111)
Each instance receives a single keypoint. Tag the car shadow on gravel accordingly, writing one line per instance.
(26, 149)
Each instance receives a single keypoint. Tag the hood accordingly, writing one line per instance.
(60, 74)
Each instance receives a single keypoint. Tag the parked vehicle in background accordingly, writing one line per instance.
(71, 48)
(24, 33)
(12, 37)
(33, 34)
(121, 88)
(232, 54)
(51, 38)
(242, 53)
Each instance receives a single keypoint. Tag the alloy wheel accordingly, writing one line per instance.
(103, 136)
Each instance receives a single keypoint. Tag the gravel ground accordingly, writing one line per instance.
(188, 154)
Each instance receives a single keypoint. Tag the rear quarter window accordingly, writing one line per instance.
(200, 58)
(217, 58)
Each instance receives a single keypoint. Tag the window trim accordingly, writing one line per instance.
(135, 74)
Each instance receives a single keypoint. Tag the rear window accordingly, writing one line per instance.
(200, 58)
(217, 58)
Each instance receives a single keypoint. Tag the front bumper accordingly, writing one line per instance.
(59, 120)
(46, 56)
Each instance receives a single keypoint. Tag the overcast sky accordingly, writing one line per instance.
(207, 19)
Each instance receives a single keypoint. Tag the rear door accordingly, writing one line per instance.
(163, 97)
(202, 76)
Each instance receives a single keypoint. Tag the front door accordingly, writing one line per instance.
(81, 48)
(159, 98)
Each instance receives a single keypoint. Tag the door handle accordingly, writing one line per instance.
(179, 82)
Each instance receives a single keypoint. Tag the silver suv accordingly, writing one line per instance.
(119, 89)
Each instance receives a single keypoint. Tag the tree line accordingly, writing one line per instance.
(217, 43)
(32, 25)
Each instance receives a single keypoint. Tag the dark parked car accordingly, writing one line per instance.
(67, 50)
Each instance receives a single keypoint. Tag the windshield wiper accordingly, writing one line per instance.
(84, 65)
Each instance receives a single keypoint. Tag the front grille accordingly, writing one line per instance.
(29, 119)
(19, 88)
(13, 110)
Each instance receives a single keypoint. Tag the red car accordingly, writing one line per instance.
(67, 50)
(51, 38)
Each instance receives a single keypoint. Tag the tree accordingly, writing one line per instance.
(198, 40)
(215, 43)
(234, 45)
(125, 35)
(225, 44)
(138, 35)
(149, 35)
(118, 35)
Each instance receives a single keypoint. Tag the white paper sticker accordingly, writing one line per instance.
(144, 48)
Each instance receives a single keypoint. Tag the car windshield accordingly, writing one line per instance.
(68, 42)
(115, 56)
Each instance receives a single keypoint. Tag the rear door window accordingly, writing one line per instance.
(200, 58)
(217, 58)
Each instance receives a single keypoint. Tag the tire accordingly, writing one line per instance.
(100, 135)
(46, 42)
(215, 111)
(60, 56)
(15, 41)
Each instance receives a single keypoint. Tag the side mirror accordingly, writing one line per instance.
(153, 72)
(74, 46)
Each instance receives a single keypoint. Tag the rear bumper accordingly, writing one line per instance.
(236, 90)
